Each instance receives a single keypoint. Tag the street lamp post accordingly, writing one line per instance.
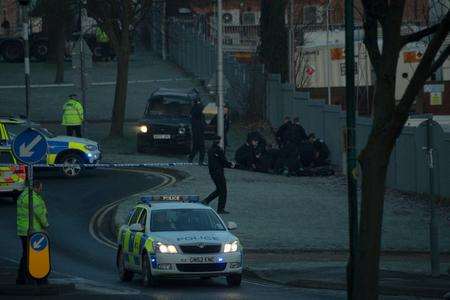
(220, 112)
(26, 51)
(328, 68)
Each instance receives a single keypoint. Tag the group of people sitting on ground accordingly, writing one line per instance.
(297, 154)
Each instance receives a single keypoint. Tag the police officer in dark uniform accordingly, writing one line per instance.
(216, 163)
(198, 132)
(245, 155)
(297, 133)
(282, 133)
(321, 151)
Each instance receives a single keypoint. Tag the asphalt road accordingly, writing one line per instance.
(78, 257)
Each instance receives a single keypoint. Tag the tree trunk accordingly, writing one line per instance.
(118, 113)
(60, 53)
(374, 169)
(374, 161)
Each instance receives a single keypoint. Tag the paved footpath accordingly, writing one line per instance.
(303, 213)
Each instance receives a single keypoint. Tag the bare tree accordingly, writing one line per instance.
(58, 20)
(119, 20)
(302, 79)
(389, 119)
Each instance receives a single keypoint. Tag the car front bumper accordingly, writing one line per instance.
(189, 265)
(93, 157)
(175, 140)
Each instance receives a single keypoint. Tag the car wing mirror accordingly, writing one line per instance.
(137, 227)
(232, 225)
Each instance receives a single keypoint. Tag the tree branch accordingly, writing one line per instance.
(370, 24)
(417, 36)
(440, 61)
(426, 67)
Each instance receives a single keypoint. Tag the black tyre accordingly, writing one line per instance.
(40, 50)
(186, 150)
(124, 274)
(97, 53)
(73, 169)
(12, 51)
(147, 278)
(234, 280)
(143, 147)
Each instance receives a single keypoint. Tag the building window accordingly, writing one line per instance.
(248, 18)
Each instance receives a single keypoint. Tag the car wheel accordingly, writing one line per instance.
(12, 52)
(73, 169)
(143, 147)
(97, 53)
(147, 278)
(186, 150)
(40, 50)
(124, 274)
(234, 280)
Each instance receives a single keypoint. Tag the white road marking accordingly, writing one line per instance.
(97, 219)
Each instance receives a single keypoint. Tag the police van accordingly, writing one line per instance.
(170, 236)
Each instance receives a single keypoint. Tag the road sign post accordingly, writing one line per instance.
(30, 147)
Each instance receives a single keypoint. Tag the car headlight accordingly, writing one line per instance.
(91, 147)
(143, 128)
(165, 248)
(182, 130)
(231, 247)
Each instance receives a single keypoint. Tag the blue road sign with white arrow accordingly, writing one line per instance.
(38, 241)
(30, 146)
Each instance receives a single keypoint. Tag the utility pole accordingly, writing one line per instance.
(351, 139)
(220, 117)
(291, 42)
(26, 46)
(328, 60)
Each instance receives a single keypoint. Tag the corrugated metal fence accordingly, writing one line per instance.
(408, 168)
(191, 46)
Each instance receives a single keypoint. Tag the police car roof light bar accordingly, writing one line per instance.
(148, 199)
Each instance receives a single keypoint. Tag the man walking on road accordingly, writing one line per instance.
(73, 116)
(198, 132)
(40, 224)
(216, 163)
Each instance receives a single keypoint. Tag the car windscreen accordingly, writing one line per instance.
(14, 129)
(169, 105)
(6, 157)
(185, 220)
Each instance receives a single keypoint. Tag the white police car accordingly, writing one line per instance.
(173, 236)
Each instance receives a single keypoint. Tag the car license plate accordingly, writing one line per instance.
(161, 136)
(201, 259)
